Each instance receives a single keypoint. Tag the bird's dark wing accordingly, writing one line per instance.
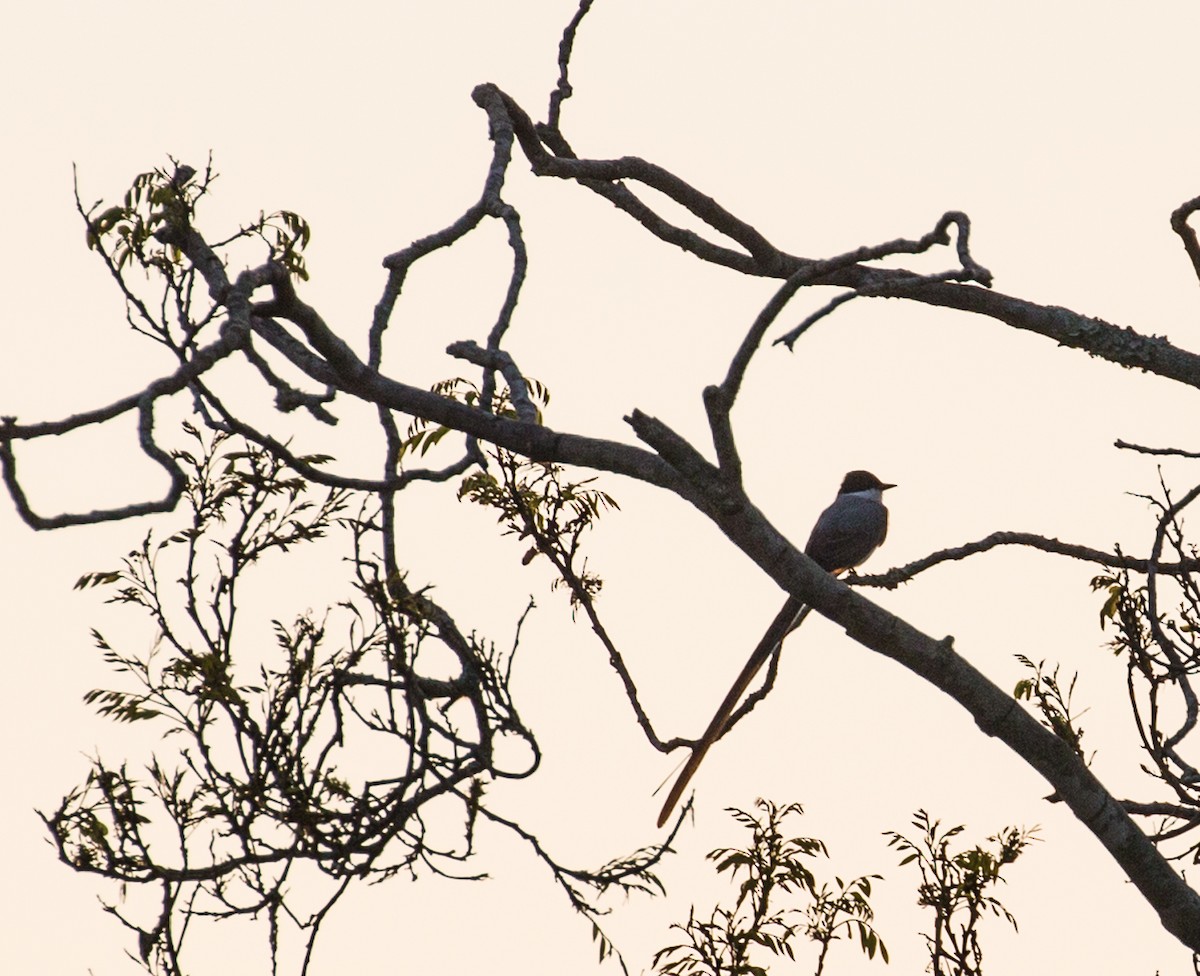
(847, 532)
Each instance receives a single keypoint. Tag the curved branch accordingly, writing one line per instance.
(506, 115)
(1179, 224)
(902, 574)
(8, 469)
(969, 269)
(310, 472)
(204, 359)
(719, 400)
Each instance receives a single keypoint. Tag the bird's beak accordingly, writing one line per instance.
(886, 487)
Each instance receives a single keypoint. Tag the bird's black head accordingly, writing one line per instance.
(861, 481)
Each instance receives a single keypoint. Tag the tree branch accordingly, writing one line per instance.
(1179, 224)
(902, 574)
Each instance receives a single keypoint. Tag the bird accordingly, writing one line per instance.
(847, 532)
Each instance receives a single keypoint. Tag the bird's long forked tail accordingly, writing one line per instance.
(785, 621)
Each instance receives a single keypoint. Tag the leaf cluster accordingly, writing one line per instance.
(1154, 627)
(536, 501)
(1052, 700)
(155, 198)
(772, 875)
(956, 886)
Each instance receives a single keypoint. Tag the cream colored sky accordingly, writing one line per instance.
(1066, 131)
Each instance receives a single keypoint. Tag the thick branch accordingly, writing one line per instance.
(505, 114)
(529, 439)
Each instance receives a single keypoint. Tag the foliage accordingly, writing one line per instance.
(771, 870)
(270, 767)
(1053, 702)
(1161, 651)
(956, 887)
(535, 501)
(143, 230)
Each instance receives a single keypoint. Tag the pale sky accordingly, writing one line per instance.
(1067, 133)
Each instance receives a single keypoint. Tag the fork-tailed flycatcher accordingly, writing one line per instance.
(847, 532)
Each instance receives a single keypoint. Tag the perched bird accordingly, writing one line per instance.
(847, 532)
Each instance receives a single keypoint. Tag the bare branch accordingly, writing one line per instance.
(1138, 808)
(498, 359)
(1179, 224)
(563, 90)
(8, 468)
(1166, 451)
(719, 401)
(902, 574)
(507, 116)
(969, 270)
